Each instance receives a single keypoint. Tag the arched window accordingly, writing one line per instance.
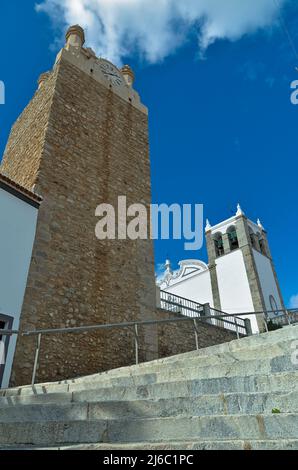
(262, 245)
(273, 305)
(218, 243)
(252, 237)
(233, 238)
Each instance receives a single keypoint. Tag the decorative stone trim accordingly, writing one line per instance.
(19, 191)
(76, 30)
(42, 78)
(128, 74)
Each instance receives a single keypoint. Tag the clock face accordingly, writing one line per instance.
(111, 73)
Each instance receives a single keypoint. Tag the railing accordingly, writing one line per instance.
(282, 317)
(289, 316)
(189, 308)
(175, 304)
(236, 324)
(134, 326)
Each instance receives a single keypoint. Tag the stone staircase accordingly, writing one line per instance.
(238, 395)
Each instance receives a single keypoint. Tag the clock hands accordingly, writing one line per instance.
(112, 74)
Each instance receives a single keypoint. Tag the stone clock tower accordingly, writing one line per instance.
(83, 141)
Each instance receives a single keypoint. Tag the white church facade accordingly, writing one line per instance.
(240, 276)
(18, 218)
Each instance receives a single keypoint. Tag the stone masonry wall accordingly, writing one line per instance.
(177, 338)
(23, 151)
(80, 145)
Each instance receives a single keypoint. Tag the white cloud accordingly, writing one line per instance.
(156, 28)
(294, 301)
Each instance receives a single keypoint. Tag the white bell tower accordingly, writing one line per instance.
(242, 272)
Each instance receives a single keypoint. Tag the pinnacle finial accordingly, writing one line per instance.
(260, 224)
(239, 210)
(128, 75)
(75, 36)
(208, 225)
(42, 78)
(168, 266)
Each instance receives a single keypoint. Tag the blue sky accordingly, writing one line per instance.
(222, 129)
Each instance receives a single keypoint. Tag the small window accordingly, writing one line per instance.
(233, 238)
(273, 305)
(252, 238)
(262, 246)
(218, 243)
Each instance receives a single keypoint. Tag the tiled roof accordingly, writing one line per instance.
(12, 185)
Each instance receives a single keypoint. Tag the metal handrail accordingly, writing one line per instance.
(190, 308)
(9, 332)
(135, 325)
(226, 319)
(182, 298)
(188, 301)
(81, 329)
(224, 315)
(290, 310)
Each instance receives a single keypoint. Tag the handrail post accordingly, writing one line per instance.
(207, 312)
(196, 333)
(36, 359)
(237, 329)
(265, 322)
(248, 328)
(288, 317)
(137, 343)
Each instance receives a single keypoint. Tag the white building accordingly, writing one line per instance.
(18, 218)
(240, 276)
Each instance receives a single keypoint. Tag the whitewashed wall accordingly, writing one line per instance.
(234, 290)
(267, 280)
(17, 231)
(196, 288)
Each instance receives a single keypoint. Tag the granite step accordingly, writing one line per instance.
(272, 444)
(204, 405)
(218, 427)
(277, 382)
(232, 368)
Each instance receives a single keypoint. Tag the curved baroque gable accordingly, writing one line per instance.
(188, 268)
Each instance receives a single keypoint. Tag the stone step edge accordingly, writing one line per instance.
(157, 418)
(105, 377)
(151, 367)
(72, 394)
(112, 430)
(205, 396)
(170, 373)
(182, 445)
(105, 384)
(143, 445)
